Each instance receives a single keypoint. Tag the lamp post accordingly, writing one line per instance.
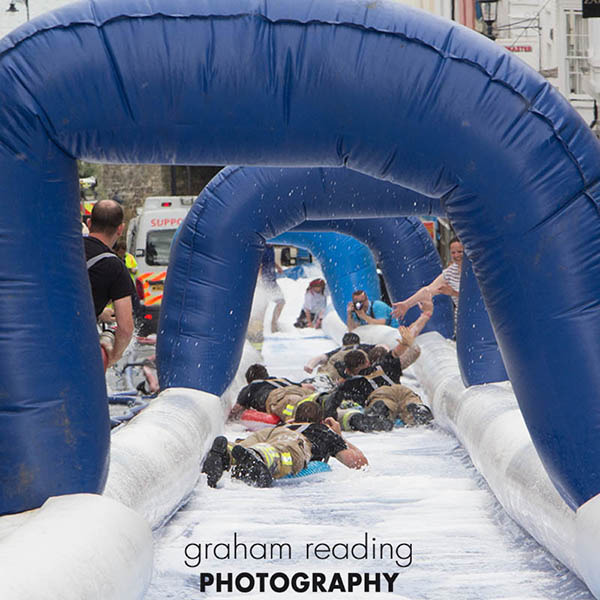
(12, 7)
(489, 14)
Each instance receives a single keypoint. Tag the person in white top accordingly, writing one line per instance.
(314, 305)
(447, 282)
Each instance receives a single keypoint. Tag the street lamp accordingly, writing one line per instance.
(489, 15)
(12, 7)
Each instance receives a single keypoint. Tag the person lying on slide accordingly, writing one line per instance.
(260, 385)
(326, 363)
(331, 363)
(286, 449)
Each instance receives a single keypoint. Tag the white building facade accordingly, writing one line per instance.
(551, 36)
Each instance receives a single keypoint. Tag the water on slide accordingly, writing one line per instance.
(419, 489)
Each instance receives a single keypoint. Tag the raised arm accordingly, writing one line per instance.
(426, 306)
(438, 286)
(350, 322)
(314, 362)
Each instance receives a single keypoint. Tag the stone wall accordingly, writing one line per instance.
(133, 183)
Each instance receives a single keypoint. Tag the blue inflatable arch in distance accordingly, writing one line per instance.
(407, 256)
(206, 308)
(347, 264)
(400, 95)
(405, 251)
(479, 358)
(254, 199)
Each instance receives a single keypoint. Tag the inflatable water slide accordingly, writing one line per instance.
(427, 107)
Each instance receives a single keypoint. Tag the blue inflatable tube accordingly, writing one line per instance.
(407, 257)
(479, 357)
(404, 249)
(347, 264)
(212, 274)
(401, 95)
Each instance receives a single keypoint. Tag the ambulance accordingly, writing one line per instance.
(149, 238)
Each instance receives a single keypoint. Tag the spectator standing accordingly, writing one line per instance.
(127, 258)
(109, 278)
(268, 274)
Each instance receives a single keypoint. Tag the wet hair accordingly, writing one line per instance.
(354, 359)
(454, 240)
(377, 353)
(308, 412)
(106, 217)
(256, 371)
(350, 339)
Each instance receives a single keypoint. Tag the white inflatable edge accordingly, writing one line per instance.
(75, 547)
(156, 458)
(587, 536)
(487, 421)
(101, 547)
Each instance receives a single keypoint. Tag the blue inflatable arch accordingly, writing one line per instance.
(406, 254)
(204, 320)
(377, 87)
(347, 264)
(479, 357)
(408, 259)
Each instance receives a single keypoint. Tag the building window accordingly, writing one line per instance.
(577, 45)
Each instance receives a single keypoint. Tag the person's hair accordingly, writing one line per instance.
(377, 353)
(354, 359)
(106, 217)
(308, 412)
(316, 283)
(454, 240)
(358, 293)
(350, 339)
(256, 371)
(120, 245)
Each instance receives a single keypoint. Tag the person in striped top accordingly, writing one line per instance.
(448, 282)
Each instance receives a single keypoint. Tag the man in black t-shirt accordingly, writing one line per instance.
(109, 278)
(273, 453)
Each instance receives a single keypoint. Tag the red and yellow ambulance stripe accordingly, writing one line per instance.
(149, 282)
